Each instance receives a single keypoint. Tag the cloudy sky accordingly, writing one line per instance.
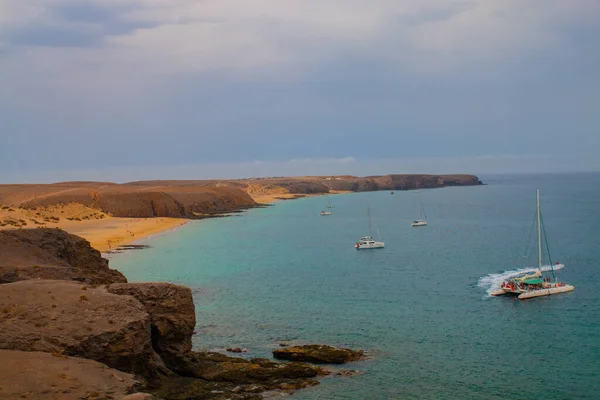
(139, 89)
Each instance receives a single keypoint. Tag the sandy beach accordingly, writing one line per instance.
(103, 231)
(265, 198)
(108, 234)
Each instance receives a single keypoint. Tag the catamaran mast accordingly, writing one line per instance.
(539, 231)
(370, 226)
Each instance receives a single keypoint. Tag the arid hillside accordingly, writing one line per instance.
(130, 201)
(195, 198)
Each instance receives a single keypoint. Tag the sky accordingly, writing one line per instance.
(121, 90)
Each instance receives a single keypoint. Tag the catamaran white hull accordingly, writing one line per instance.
(546, 292)
(499, 292)
(376, 245)
(420, 223)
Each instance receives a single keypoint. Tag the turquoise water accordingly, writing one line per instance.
(420, 305)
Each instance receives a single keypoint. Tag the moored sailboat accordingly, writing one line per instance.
(422, 221)
(527, 286)
(367, 242)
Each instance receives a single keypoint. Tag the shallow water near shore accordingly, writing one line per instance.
(420, 306)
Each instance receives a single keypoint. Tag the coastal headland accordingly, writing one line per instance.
(111, 215)
(72, 328)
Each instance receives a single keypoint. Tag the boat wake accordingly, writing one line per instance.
(491, 282)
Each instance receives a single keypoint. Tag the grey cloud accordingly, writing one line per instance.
(75, 25)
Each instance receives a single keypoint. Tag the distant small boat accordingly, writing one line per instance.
(391, 192)
(325, 213)
(367, 242)
(329, 204)
(527, 286)
(417, 189)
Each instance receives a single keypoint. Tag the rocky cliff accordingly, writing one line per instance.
(46, 253)
(205, 198)
(72, 328)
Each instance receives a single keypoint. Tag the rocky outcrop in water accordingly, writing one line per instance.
(318, 354)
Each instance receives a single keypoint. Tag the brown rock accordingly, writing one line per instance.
(46, 253)
(60, 317)
(221, 368)
(318, 354)
(37, 376)
(349, 372)
(172, 315)
(236, 350)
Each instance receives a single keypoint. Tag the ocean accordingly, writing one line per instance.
(420, 307)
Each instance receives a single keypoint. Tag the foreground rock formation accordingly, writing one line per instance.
(52, 254)
(71, 328)
(40, 376)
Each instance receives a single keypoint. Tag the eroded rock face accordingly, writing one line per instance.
(318, 354)
(172, 315)
(76, 320)
(37, 376)
(46, 253)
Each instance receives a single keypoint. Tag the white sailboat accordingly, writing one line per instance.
(527, 286)
(417, 189)
(422, 221)
(324, 212)
(329, 203)
(367, 242)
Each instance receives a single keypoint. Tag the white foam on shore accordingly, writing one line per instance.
(492, 281)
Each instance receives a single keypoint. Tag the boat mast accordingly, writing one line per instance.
(539, 231)
(370, 226)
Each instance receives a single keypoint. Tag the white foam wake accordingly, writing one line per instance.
(492, 281)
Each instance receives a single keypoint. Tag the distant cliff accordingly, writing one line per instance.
(204, 198)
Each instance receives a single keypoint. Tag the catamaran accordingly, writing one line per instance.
(367, 242)
(527, 286)
(325, 213)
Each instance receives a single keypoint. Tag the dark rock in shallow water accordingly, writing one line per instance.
(349, 372)
(236, 350)
(318, 354)
(221, 368)
(217, 376)
(133, 247)
(181, 388)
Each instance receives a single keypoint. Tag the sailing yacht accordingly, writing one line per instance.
(527, 286)
(324, 212)
(421, 221)
(367, 242)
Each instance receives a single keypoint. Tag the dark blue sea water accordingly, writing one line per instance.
(420, 305)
